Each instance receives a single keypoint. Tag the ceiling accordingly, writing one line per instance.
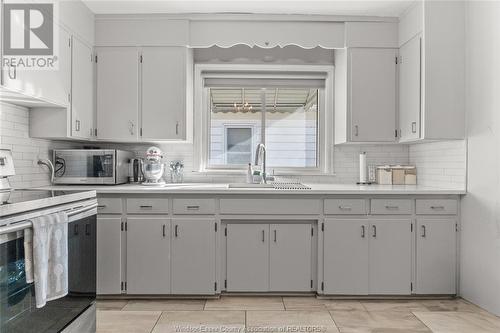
(391, 8)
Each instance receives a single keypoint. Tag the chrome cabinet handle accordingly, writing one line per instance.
(101, 206)
(192, 207)
(437, 207)
(391, 207)
(423, 232)
(87, 229)
(145, 207)
(263, 236)
(176, 230)
(414, 127)
(345, 208)
(362, 231)
(374, 231)
(77, 125)
(275, 236)
(356, 130)
(177, 128)
(164, 231)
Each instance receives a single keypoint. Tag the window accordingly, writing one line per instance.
(285, 111)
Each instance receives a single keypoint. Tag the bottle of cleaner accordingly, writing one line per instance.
(249, 174)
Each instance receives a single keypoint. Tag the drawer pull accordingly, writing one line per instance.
(392, 207)
(163, 230)
(275, 236)
(423, 231)
(437, 207)
(145, 206)
(362, 231)
(263, 236)
(192, 207)
(345, 208)
(374, 231)
(176, 230)
(101, 206)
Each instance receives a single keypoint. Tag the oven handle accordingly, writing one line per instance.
(27, 224)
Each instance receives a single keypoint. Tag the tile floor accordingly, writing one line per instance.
(235, 314)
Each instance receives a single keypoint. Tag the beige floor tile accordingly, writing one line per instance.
(197, 321)
(304, 303)
(344, 305)
(126, 321)
(111, 304)
(165, 305)
(393, 305)
(281, 321)
(245, 303)
(451, 305)
(459, 322)
(379, 321)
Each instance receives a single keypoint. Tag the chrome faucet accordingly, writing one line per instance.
(261, 150)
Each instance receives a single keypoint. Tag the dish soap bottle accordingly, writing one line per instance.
(249, 174)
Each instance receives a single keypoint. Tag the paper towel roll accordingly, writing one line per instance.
(363, 171)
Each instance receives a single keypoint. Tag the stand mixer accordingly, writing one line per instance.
(153, 167)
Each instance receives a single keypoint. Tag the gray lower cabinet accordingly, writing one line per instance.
(247, 257)
(436, 256)
(390, 256)
(367, 256)
(193, 256)
(269, 257)
(345, 248)
(148, 255)
(290, 257)
(109, 249)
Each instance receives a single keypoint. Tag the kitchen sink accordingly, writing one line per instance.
(245, 185)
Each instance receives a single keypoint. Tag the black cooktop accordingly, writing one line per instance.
(16, 196)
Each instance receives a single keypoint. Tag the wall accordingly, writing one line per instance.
(440, 164)
(14, 127)
(480, 242)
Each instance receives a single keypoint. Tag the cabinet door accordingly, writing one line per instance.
(148, 255)
(436, 256)
(163, 93)
(117, 93)
(410, 89)
(82, 90)
(372, 94)
(290, 257)
(52, 85)
(345, 258)
(109, 249)
(193, 256)
(247, 257)
(390, 257)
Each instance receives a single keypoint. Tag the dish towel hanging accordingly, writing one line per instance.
(46, 257)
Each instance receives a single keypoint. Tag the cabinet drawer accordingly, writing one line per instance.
(109, 206)
(391, 206)
(270, 206)
(345, 206)
(147, 205)
(194, 206)
(437, 207)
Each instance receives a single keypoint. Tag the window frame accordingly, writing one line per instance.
(325, 134)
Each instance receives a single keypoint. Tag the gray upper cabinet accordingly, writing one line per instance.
(390, 256)
(410, 103)
(117, 93)
(436, 256)
(109, 249)
(164, 98)
(365, 95)
(193, 256)
(247, 257)
(345, 258)
(290, 256)
(148, 255)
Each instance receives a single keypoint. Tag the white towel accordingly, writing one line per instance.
(46, 257)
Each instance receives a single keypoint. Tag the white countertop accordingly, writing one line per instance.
(213, 188)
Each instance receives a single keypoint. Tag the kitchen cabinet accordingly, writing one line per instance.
(379, 256)
(148, 255)
(164, 93)
(390, 256)
(193, 256)
(436, 256)
(50, 85)
(82, 90)
(109, 255)
(365, 95)
(247, 257)
(290, 257)
(346, 262)
(410, 89)
(117, 93)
